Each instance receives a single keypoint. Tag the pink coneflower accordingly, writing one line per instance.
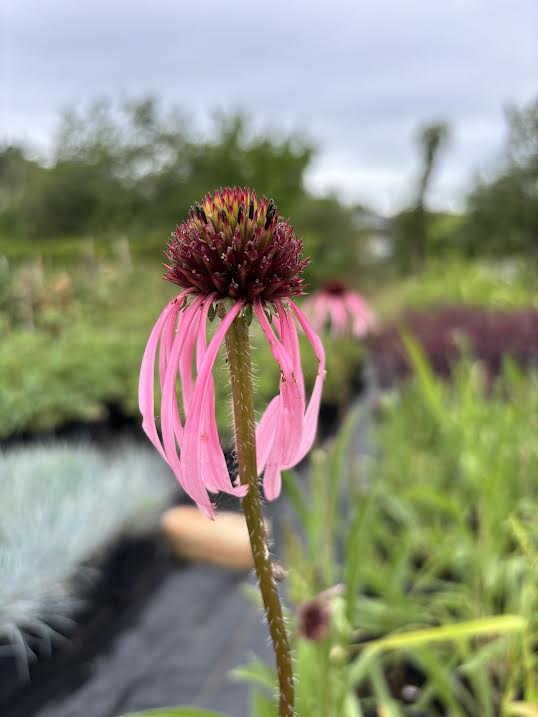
(343, 311)
(234, 253)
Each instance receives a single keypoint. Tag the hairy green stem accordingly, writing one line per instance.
(238, 346)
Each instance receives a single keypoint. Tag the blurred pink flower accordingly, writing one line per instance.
(232, 246)
(343, 311)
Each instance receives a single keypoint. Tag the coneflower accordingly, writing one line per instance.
(234, 258)
(340, 310)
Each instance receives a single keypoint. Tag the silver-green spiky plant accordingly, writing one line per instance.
(58, 507)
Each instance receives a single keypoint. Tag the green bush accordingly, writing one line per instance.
(75, 360)
(50, 381)
(502, 285)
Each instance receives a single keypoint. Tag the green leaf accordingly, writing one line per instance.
(521, 709)
(262, 706)
(495, 626)
(492, 626)
(352, 707)
(387, 706)
(256, 672)
(430, 387)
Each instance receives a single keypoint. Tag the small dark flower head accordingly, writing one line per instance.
(314, 620)
(314, 615)
(236, 245)
(335, 286)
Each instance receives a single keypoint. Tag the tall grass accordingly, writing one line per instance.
(436, 542)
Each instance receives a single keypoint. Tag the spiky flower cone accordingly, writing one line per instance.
(235, 245)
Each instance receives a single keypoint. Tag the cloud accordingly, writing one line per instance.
(357, 76)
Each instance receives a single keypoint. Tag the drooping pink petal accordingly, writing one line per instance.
(192, 487)
(186, 362)
(167, 335)
(362, 315)
(279, 351)
(165, 344)
(276, 323)
(290, 339)
(338, 313)
(292, 390)
(318, 312)
(312, 411)
(185, 359)
(193, 432)
(269, 433)
(212, 457)
(272, 477)
(167, 340)
(215, 473)
(280, 354)
(265, 433)
(146, 385)
(286, 417)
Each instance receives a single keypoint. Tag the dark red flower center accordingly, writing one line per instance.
(335, 287)
(236, 245)
(314, 620)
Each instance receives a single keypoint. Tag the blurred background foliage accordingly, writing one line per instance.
(434, 535)
(135, 169)
(82, 235)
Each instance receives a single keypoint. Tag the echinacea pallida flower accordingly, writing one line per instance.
(344, 311)
(235, 247)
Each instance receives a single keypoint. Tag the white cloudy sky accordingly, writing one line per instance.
(358, 76)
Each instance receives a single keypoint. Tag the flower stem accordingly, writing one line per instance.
(238, 346)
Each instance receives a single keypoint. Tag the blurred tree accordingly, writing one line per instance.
(503, 212)
(411, 226)
(431, 139)
(16, 172)
(135, 168)
(233, 155)
(331, 239)
(103, 173)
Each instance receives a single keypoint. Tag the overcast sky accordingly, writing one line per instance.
(357, 76)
